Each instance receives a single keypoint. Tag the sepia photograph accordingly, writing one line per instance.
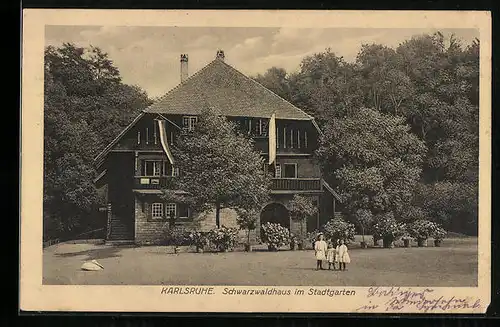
(313, 161)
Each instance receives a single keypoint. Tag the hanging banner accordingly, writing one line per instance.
(272, 139)
(164, 140)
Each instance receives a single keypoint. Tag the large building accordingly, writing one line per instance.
(135, 167)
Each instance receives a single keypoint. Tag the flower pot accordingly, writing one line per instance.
(248, 248)
(437, 242)
(421, 243)
(388, 243)
(363, 245)
(406, 243)
(272, 248)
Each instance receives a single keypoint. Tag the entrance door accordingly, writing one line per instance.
(275, 213)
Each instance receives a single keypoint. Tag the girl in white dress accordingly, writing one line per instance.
(337, 258)
(343, 255)
(330, 256)
(320, 248)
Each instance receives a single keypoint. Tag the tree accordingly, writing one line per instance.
(85, 106)
(276, 80)
(219, 166)
(301, 208)
(364, 218)
(373, 159)
(247, 220)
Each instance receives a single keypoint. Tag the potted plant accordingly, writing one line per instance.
(406, 240)
(247, 220)
(301, 208)
(421, 230)
(337, 228)
(364, 218)
(388, 229)
(224, 238)
(438, 235)
(275, 236)
(293, 242)
(199, 240)
(175, 237)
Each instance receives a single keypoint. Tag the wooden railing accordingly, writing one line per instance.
(150, 182)
(296, 184)
(277, 184)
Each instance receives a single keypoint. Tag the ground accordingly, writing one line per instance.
(452, 264)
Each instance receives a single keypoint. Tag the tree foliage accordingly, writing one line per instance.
(430, 83)
(219, 166)
(85, 106)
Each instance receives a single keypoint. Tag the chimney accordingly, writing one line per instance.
(220, 55)
(184, 67)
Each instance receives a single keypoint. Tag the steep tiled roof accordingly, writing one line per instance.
(221, 87)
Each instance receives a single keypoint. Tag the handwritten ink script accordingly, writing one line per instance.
(394, 299)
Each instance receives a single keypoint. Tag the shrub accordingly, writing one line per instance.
(312, 236)
(387, 228)
(439, 233)
(338, 228)
(176, 236)
(275, 235)
(223, 238)
(422, 229)
(199, 239)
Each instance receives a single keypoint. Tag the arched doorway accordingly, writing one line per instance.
(275, 213)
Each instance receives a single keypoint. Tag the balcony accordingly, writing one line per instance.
(296, 185)
(152, 182)
(278, 185)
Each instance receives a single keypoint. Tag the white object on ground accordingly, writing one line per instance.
(92, 266)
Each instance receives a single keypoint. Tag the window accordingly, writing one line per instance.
(157, 168)
(284, 137)
(175, 171)
(171, 210)
(154, 133)
(277, 172)
(290, 170)
(189, 122)
(138, 137)
(183, 211)
(298, 139)
(147, 135)
(305, 139)
(157, 210)
(151, 168)
(291, 138)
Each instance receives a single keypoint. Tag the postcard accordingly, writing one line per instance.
(256, 161)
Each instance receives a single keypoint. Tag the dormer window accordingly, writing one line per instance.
(189, 123)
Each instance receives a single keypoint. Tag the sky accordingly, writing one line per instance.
(149, 56)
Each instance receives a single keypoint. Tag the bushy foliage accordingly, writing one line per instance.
(423, 229)
(223, 238)
(275, 235)
(386, 227)
(199, 239)
(337, 228)
(175, 236)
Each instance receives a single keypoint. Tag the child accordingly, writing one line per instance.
(337, 258)
(330, 256)
(320, 251)
(343, 255)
